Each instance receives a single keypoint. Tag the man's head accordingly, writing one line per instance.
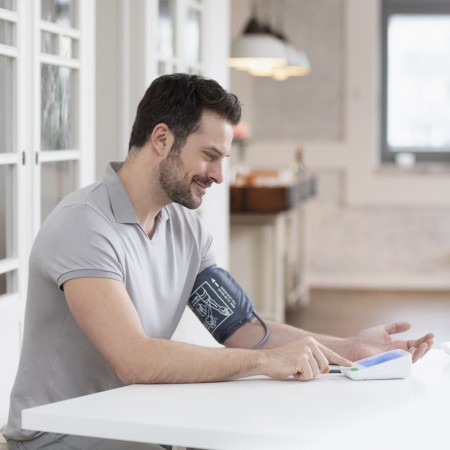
(194, 116)
(186, 174)
(178, 100)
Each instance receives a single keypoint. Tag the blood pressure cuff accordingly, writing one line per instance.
(220, 303)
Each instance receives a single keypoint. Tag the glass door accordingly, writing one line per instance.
(46, 140)
(9, 158)
(57, 140)
(10, 170)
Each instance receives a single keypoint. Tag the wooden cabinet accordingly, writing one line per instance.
(267, 243)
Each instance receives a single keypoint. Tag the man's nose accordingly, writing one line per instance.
(216, 172)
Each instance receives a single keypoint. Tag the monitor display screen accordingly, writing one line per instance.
(378, 359)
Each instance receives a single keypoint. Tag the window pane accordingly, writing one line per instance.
(68, 47)
(54, 44)
(7, 102)
(61, 12)
(8, 282)
(7, 213)
(166, 34)
(57, 180)
(193, 37)
(8, 4)
(58, 108)
(49, 43)
(2, 283)
(418, 105)
(7, 33)
(165, 68)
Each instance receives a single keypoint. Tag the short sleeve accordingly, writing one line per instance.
(206, 248)
(78, 242)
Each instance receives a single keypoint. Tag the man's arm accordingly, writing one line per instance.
(280, 334)
(366, 343)
(107, 316)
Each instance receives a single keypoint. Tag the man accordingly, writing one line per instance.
(114, 265)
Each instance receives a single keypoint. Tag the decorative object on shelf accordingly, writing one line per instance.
(241, 135)
(264, 51)
(298, 165)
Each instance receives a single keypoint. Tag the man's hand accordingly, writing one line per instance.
(379, 339)
(304, 359)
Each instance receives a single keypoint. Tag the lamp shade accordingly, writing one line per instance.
(297, 64)
(257, 52)
(262, 51)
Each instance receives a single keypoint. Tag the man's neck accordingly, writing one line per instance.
(144, 192)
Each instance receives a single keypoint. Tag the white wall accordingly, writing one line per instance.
(108, 78)
(369, 226)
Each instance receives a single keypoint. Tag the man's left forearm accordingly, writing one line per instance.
(280, 334)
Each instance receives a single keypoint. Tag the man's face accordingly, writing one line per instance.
(186, 173)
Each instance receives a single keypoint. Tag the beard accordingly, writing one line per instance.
(177, 184)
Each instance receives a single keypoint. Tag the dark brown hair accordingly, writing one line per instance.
(178, 100)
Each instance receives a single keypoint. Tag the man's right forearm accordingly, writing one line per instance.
(162, 361)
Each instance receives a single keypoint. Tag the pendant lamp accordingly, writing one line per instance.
(297, 65)
(257, 51)
(264, 52)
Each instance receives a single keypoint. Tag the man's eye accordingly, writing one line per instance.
(211, 156)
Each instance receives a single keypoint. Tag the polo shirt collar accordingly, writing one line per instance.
(120, 202)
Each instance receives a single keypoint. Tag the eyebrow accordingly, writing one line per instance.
(218, 152)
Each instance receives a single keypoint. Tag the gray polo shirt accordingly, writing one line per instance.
(94, 232)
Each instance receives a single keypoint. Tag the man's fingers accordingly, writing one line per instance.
(315, 360)
(430, 344)
(397, 327)
(418, 352)
(334, 358)
(428, 339)
(315, 365)
(319, 357)
(305, 371)
(420, 347)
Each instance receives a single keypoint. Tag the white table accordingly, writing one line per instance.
(330, 412)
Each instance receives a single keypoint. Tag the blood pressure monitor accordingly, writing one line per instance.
(387, 365)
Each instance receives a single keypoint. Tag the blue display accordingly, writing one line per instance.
(378, 359)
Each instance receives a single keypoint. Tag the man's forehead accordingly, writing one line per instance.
(210, 117)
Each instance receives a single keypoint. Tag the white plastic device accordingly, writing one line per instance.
(446, 346)
(384, 366)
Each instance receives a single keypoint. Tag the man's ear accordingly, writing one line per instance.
(161, 138)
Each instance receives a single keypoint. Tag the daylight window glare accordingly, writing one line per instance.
(418, 83)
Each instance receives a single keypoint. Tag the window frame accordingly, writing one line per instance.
(413, 7)
(25, 158)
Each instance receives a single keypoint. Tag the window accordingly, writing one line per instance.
(416, 81)
(179, 36)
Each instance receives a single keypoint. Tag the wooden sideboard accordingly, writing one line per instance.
(267, 239)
